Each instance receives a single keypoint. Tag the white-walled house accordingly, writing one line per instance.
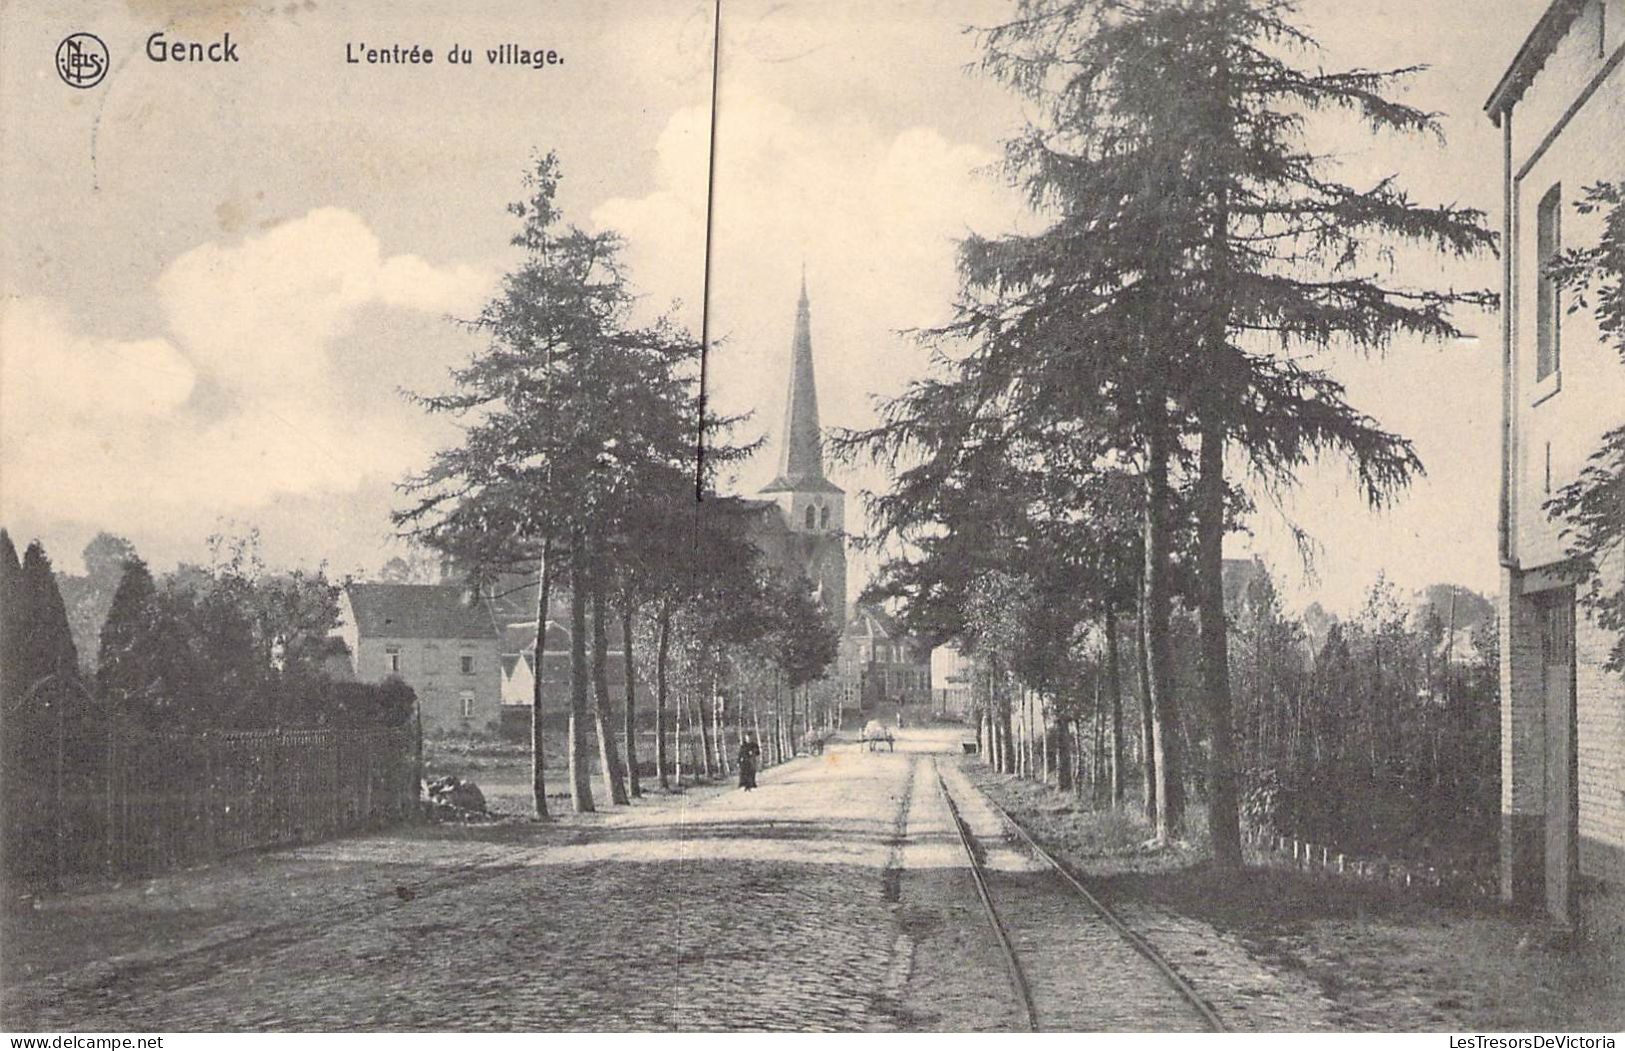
(440, 640)
(1561, 111)
(952, 680)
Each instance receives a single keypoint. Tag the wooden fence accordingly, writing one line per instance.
(1461, 881)
(127, 801)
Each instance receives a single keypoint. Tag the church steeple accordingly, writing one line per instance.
(808, 525)
(801, 458)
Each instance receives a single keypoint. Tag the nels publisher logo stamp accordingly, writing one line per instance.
(81, 60)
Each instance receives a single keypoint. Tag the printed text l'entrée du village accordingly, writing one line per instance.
(457, 55)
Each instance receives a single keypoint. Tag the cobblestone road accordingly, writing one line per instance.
(829, 899)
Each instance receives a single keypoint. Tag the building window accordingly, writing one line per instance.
(823, 518)
(810, 513)
(467, 699)
(392, 659)
(1548, 306)
(468, 664)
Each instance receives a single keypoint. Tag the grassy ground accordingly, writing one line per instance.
(1384, 961)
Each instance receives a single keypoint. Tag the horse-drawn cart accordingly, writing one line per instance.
(874, 734)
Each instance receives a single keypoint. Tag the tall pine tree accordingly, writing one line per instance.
(11, 619)
(128, 661)
(45, 646)
(1215, 242)
(573, 416)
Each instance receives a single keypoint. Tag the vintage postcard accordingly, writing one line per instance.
(911, 516)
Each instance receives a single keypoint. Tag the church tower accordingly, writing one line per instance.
(813, 508)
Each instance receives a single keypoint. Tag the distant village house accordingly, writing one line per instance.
(438, 639)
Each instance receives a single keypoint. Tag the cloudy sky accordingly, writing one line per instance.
(217, 279)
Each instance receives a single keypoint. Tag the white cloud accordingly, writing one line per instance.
(873, 215)
(52, 373)
(262, 316)
(107, 430)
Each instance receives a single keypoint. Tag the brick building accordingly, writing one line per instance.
(877, 663)
(1561, 111)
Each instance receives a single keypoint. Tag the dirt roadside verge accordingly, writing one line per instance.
(1325, 954)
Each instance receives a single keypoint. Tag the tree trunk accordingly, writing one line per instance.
(608, 754)
(1035, 733)
(1017, 716)
(1224, 820)
(1098, 741)
(662, 652)
(1006, 736)
(1063, 753)
(773, 718)
(1028, 736)
(719, 722)
(790, 725)
(1114, 700)
(580, 757)
(633, 788)
(705, 740)
(678, 735)
(1001, 737)
(756, 723)
(1148, 758)
(1046, 762)
(787, 718)
(1016, 739)
(1079, 753)
(1164, 706)
(1043, 737)
(538, 778)
(1037, 764)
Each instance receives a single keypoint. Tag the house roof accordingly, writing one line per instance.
(867, 620)
(520, 637)
(1537, 48)
(419, 611)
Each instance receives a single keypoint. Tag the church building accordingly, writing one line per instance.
(801, 530)
(802, 526)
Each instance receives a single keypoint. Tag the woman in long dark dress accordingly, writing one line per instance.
(749, 753)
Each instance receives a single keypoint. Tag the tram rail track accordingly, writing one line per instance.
(1002, 914)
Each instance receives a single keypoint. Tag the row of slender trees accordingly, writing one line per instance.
(1378, 733)
(228, 645)
(588, 457)
(1110, 381)
(135, 757)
